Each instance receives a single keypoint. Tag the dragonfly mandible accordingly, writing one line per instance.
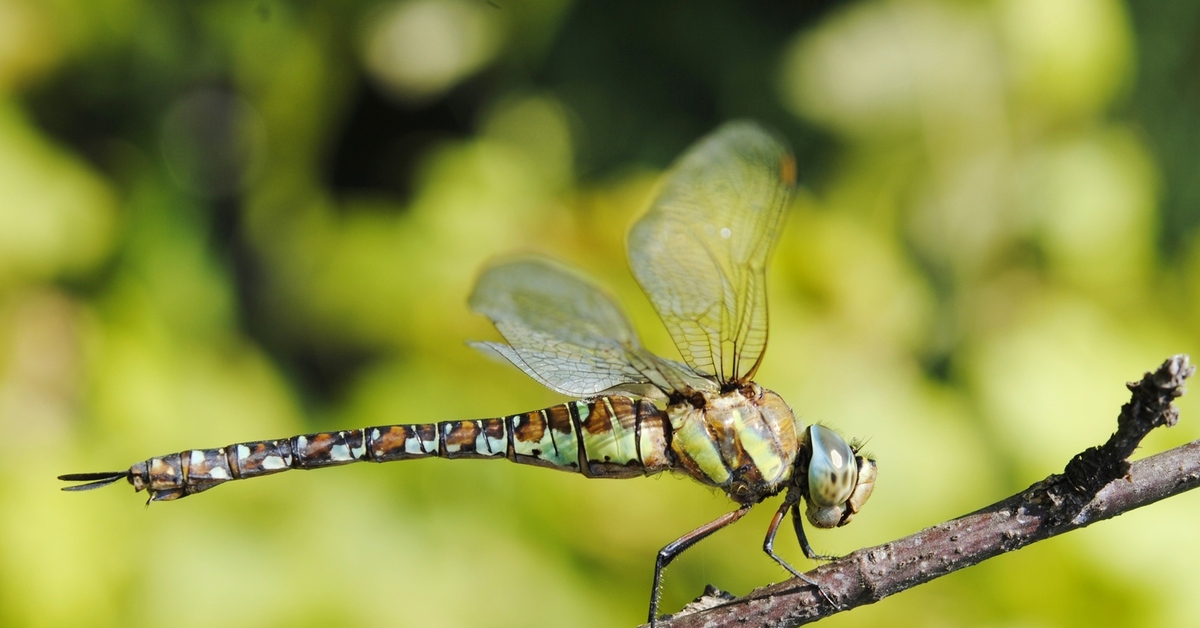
(700, 254)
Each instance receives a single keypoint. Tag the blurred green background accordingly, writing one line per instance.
(238, 220)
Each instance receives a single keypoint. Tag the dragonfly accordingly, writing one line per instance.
(700, 254)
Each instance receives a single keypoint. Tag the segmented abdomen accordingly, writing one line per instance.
(609, 437)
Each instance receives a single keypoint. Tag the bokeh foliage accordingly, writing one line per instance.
(226, 221)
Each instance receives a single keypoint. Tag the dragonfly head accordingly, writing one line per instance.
(840, 479)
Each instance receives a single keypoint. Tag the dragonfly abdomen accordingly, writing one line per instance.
(607, 437)
(612, 437)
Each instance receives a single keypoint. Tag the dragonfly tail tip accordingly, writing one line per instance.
(91, 480)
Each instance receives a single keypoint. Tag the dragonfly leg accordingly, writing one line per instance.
(769, 544)
(769, 548)
(679, 545)
(798, 522)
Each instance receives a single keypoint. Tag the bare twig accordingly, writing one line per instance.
(1098, 484)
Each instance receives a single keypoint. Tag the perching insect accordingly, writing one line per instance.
(700, 253)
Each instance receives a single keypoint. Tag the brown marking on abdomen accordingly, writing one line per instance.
(395, 442)
(260, 457)
(531, 427)
(480, 438)
(559, 419)
(599, 421)
(326, 449)
(531, 439)
(458, 438)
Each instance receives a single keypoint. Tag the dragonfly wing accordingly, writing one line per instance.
(700, 253)
(562, 330)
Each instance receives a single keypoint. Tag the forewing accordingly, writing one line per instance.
(561, 329)
(700, 252)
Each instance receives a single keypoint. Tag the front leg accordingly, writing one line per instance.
(769, 548)
(769, 545)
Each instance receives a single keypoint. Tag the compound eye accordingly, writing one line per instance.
(832, 472)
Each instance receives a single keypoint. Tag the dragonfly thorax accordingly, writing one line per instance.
(742, 441)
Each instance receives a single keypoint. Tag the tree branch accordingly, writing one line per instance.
(1097, 484)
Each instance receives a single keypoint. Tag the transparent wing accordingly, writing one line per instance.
(700, 252)
(564, 332)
